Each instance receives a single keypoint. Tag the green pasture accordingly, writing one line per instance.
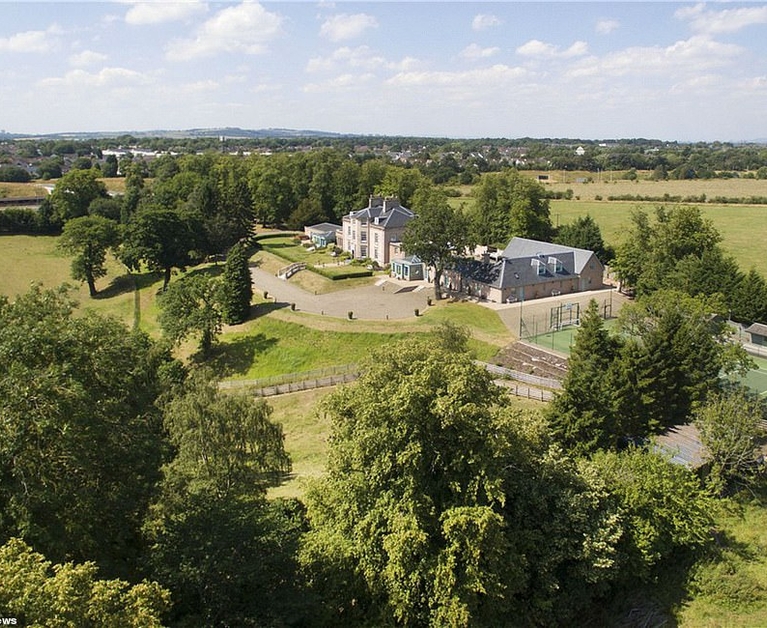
(743, 227)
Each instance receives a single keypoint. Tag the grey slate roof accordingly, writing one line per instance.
(389, 212)
(519, 271)
(522, 247)
(758, 329)
(324, 227)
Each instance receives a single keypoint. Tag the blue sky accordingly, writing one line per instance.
(592, 70)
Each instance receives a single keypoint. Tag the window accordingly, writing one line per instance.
(363, 251)
(364, 236)
(375, 237)
(375, 253)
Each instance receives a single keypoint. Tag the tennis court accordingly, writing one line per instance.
(561, 341)
(756, 379)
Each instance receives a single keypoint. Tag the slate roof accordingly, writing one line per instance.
(683, 444)
(389, 212)
(758, 329)
(324, 227)
(522, 247)
(516, 272)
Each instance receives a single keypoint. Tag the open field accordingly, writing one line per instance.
(743, 227)
(10, 190)
(603, 185)
(274, 342)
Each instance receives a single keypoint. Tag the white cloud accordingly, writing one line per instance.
(344, 26)
(160, 11)
(695, 55)
(86, 57)
(361, 57)
(106, 77)
(605, 27)
(244, 28)
(703, 20)
(32, 41)
(201, 86)
(483, 21)
(537, 48)
(492, 76)
(473, 51)
(341, 82)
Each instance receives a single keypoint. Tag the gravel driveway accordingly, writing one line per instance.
(387, 299)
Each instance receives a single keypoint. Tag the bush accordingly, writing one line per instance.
(27, 221)
(347, 273)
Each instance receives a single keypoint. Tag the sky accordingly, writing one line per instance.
(588, 70)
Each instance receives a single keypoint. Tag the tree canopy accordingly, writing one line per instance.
(88, 238)
(81, 439)
(162, 239)
(510, 204)
(437, 235)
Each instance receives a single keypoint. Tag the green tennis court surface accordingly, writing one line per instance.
(756, 379)
(561, 341)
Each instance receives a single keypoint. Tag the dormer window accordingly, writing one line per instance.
(556, 264)
(540, 266)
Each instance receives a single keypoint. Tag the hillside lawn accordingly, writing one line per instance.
(272, 342)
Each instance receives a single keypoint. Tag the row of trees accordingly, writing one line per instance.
(442, 160)
(443, 502)
(678, 249)
(669, 354)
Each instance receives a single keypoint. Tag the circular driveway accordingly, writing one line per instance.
(388, 299)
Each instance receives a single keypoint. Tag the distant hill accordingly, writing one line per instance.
(228, 132)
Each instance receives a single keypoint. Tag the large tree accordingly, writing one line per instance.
(652, 249)
(236, 291)
(685, 350)
(226, 554)
(438, 234)
(80, 437)
(88, 238)
(441, 507)
(581, 415)
(72, 594)
(510, 204)
(584, 233)
(163, 239)
(191, 306)
(730, 425)
(74, 193)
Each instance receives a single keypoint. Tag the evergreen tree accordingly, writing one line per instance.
(237, 286)
(584, 233)
(580, 415)
(749, 303)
